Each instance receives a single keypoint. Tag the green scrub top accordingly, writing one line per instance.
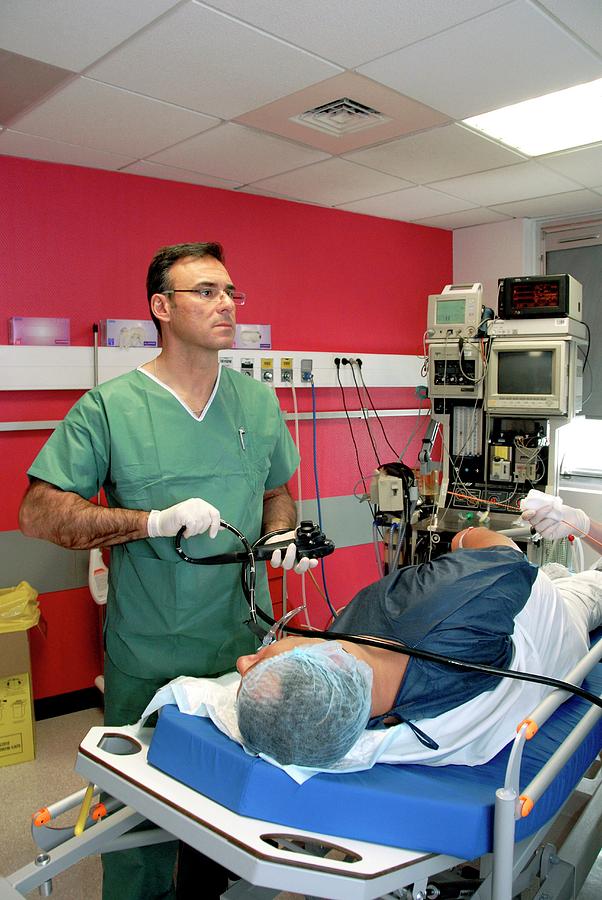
(135, 438)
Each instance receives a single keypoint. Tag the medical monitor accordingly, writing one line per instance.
(455, 312)
(534, 378)
(539, 296)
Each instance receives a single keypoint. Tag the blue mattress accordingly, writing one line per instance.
(447, 809)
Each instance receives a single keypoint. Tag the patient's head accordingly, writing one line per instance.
(303, 702)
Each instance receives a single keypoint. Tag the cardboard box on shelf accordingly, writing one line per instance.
(17, 741)
(128, 333)
(39, 331)
(253, 337)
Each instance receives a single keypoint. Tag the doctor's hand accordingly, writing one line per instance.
(288, 560)
(551, 518)
(197, 515)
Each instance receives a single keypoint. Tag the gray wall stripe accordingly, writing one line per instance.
(50, 568)
(44, 565)
(345, 520)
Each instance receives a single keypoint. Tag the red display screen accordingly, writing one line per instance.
(536, 295)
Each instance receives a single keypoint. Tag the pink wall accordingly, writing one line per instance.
(76, 242)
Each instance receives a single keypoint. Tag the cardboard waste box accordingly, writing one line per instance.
(18, 612)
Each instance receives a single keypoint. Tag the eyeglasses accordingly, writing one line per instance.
(212, 293)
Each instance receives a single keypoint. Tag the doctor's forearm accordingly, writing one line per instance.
(279, 510)
(70, 521)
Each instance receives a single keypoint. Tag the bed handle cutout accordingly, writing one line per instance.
(119, 744)
(308, 846)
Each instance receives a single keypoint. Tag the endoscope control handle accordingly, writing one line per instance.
(310, 541)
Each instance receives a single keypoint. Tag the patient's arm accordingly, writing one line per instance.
(474, 538)
(594, 535)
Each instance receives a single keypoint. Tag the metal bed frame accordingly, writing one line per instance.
(270, 858)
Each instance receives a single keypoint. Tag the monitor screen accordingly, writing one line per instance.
(525, 371)
(450, 312)
(532, 294)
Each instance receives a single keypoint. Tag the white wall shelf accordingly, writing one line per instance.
(72, 368)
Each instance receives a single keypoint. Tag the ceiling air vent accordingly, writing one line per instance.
(340, 117)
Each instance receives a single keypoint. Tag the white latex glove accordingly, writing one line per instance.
(551, 517)
(197, 515)
(288, 560)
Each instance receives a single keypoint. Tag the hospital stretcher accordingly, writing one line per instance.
(347, 836)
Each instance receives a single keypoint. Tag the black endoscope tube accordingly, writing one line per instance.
(249, 571)
(381, 643)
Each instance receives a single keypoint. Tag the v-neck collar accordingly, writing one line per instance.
(190, 412)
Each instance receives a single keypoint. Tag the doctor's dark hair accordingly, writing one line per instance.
(158, 279)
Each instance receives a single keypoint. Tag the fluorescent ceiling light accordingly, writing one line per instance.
(568, 118)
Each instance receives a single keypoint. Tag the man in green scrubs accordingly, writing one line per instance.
(179, 441)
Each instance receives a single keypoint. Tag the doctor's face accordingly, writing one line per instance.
(188, 316)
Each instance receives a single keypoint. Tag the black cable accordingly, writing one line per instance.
(381, 643)
(358, 362)
(364, 412)
(585, 358)
(357, 456)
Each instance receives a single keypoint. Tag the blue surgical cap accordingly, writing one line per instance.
(306, 706)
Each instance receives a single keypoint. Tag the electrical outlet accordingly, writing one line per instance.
(306, 370)
(286, 370)
(247, 367)
(267, 370)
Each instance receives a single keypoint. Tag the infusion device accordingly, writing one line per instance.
(455, 312)
(540, 296)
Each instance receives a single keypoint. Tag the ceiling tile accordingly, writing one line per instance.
(538, 207)
(353, 32)
(154, 170)
(508, 184)
(13, 143)
(403, 115)
(73, 33)
(24, 81)
(583, 166)
(584, 18)
(464, 219)
(232, 151)
(260, 192)
(331, 183)
(409, 205)
(106, 118)
(504, 56)
(436, 154)
(203, 60)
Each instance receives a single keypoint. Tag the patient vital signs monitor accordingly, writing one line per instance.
(539, 296)
(455, 312)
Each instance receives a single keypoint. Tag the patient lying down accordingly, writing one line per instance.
(323, 704)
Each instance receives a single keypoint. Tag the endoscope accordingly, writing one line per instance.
(311, 542)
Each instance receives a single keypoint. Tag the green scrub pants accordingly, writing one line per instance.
(147, 873)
